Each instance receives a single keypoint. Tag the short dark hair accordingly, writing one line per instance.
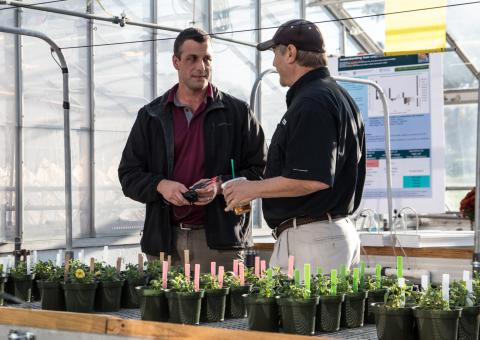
(191, 33)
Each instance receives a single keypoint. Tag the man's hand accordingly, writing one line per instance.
(172, 192)
(238, 193)
(207, 193)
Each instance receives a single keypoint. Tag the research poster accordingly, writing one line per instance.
(413, 86)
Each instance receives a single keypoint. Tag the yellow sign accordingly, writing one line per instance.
(419, 27)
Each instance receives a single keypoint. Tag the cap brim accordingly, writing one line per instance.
(266, 45)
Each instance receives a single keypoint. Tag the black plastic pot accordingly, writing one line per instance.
(353, 309)
(153, 304)
(52, 295)
(107, 298)
(262, 313)
(435, 324)
(173, 306)
(235, 307)
(374, 296)
(393, 324)
(213, 305)
(23, 289)
(79, 297)
(329, 311)
(298, 315)
(468, 327)
(190, 307)
(129, 294)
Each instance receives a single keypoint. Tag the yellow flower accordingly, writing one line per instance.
(98, 273)
(79, 274)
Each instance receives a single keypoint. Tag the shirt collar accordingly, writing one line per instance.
(320, 72)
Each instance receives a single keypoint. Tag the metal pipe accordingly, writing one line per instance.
(122, 21)
(66, 126)
(476, 254)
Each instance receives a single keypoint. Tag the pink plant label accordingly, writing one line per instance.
(235, 267)
(290, 266)
(241, 272)
(187, 271)
(220, 276)
(257, 266)
(213, 268)
(164, 274)
(196, 278)
(263, 267)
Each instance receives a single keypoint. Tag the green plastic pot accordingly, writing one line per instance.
(393, 324)
(130, 298)
(437, 324)
(153, 304)
(213, 305)
(353, 310)
(235, 307)
(108, 296)
(298, 315)
(468, 327)
(23, 289)
(173, 306)
(52, 295)
(79, 297)
(374, 296)
(190, 305)
(262, 313)
(329, 310)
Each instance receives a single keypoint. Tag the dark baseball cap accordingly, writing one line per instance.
(303, 34)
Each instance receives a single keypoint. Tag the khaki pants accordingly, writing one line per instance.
(196, 243)
(325, 244)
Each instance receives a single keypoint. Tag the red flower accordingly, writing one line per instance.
(467, 205)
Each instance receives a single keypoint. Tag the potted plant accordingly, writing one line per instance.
(298, 309)
(22, 281)
(469, 322)
(40, 272)
(133, 278)
(235, 307)
(189, 300)
(353, 307)
(215, 299)
(51, 292)
(376, 293)
(153, 303)
(262, 309)
(329, 308)
(109, 289)
(79, 289)
(434, 317)
(393, 320)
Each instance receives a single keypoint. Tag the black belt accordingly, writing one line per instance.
(188, 227)
(301, 221)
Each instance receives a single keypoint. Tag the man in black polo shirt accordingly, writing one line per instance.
(315, 168)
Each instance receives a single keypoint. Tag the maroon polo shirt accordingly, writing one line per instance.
(189, 152)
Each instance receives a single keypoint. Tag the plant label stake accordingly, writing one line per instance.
(306, 275)
(186, 256)
(119, 264)
(466, 275)
(105, 254)
(425, 282)
(399, 267)
(220, 276)
(60, 254)
(401, 284)
(92, 265)
(362, 274)
(355, 280)
(291, 261)
(187, 272)
(164, 274)
(257, 266)
(213, 269)
(235, 267)
(29, 269)
(333, 282)
(58, 261)
(140, 263)
(241, 272)
(169, 260)
(35, 257)
(445, 287)
(162, 257)
(319, 270)
(263, 267)
(297, 277)
(81, 256)
(66, 267)
(269, 274)
(343, 272)
(469, 286)
(196, 277)
(378, 276)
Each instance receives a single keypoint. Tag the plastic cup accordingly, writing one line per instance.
(241, 209)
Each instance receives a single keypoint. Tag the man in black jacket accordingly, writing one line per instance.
(315, 168)
(188, 136)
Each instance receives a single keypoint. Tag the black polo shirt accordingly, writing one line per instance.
(321, 137)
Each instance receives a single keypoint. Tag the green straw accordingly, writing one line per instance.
(232, 163)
